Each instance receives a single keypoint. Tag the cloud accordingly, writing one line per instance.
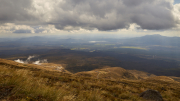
(13, 28)
(89, 14)
(22, 31)
(16, 11)
(114, 14)
(176, 11)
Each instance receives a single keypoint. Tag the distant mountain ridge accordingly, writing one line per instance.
(144, 40)
(154, 40)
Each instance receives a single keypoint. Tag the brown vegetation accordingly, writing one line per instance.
(25, 82)
(112, 73)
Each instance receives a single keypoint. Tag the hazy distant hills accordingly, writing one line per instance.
(8, 39)
(144, 40)
(153, 40)
(48, 39)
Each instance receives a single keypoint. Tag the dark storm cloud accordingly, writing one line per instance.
(15, 11)
(115, 14)
(92, 14)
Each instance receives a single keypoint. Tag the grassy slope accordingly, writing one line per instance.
(111, 73)
(30, 82)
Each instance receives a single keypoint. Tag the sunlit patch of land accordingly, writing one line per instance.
(79, 48)
(133, 47)
(105, 44)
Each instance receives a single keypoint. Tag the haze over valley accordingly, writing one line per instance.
(155, 54)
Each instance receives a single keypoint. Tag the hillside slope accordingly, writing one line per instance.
(141, 74)
(27, 82)
(113, 73)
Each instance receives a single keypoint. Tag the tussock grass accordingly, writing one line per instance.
(26, 86)
(23, 84)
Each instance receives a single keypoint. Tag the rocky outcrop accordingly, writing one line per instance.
(151, 95)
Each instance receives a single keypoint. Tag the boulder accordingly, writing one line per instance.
(151, 95)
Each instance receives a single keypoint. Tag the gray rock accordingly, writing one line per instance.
(151, 95)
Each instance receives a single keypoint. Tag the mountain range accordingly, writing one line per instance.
(144, 40)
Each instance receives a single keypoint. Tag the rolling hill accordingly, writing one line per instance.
(27, 82)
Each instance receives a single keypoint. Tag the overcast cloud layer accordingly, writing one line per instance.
(87, 14)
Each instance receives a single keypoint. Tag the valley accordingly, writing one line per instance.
(88, 70)
(77, 61)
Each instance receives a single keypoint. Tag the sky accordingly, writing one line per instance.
(125, 18)
(176, 1)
